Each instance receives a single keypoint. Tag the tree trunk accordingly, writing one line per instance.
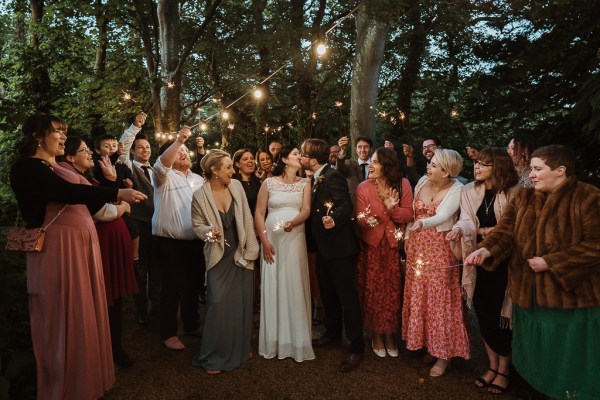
(98, 127)
(43, 95)
(168, 22)
(370, 42)
(412, 66)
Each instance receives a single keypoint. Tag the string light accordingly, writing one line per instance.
(203, 126)
(453, 114)
(225, 115)
(321, 49)
(258, 94)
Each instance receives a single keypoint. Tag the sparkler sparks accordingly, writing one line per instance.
(278, 225)
(210, 237)
(329, 206)
(398, 234)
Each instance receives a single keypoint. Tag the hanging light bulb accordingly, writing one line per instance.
(321, 49)
(203, 126)
(258, 94)
(225, 115)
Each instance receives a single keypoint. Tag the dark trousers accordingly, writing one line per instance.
(337, 283)
(147, 271)
(182, 269)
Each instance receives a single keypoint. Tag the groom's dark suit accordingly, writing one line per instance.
(337, 251)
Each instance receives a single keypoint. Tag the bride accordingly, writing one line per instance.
(285, 315)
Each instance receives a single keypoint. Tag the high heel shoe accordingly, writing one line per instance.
(439, 368)
(378, 352)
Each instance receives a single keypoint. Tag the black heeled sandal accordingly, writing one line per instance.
(483, 382)
(500, 389)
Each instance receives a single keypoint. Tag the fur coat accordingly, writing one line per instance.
(563, 227)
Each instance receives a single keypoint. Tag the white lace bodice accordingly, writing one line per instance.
(285, 195)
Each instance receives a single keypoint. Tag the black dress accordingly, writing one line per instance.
(490, 289)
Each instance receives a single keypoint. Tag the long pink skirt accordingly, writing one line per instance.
(68, 309)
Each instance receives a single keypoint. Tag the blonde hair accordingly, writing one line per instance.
(449, 161)
(214, 158)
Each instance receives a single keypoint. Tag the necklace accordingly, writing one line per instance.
(381, 195)
(487, 206)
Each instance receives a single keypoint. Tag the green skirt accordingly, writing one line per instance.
(557, 351)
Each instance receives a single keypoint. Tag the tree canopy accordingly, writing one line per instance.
(471, 72)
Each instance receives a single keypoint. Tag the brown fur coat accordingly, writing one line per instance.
(563, 227)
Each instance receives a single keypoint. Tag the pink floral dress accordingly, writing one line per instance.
(433, 315)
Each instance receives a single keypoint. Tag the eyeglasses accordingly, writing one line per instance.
(430, 147)
(483, 164)
(85, 149)
(305, 155)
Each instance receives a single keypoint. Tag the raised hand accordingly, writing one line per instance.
(140, 119)
(108, 170)
(392, 198)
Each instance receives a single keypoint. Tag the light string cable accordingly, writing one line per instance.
(335, 25)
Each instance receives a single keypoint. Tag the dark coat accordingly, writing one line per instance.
(563, 227)
(340, 241)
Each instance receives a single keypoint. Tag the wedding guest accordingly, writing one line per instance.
(264, 164)
(550, 236)
(285, 316)
(337, 249)
(482, 204)
(275, 146)
(69, 267)
(432, 313)
(244, 165)
(383, 206)
(221, 217)
(146, 267)
(355, 171)
(520, 150)
(115, 244)
(178, 249)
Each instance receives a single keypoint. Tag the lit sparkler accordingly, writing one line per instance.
(364, 214)
(278, 225)
(210, 237)
(398, 234)
(329, 206)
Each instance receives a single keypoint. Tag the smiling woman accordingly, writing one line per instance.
(554, 276)
(70, 267)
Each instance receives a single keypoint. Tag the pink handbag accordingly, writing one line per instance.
(23, 239)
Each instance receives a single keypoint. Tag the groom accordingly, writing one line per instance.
(337, 250)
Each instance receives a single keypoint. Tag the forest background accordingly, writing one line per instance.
(472, 72)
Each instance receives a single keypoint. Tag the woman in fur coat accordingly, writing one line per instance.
(551, 235)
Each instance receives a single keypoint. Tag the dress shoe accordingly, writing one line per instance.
(392, 352)
(195, 332)
(173, 343)
(351, 362)
(439, 368)
(122, 359)
(325, 341)
(378, 352)
(141, 318)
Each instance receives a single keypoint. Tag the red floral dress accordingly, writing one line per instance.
(433, 314)
(379, 282)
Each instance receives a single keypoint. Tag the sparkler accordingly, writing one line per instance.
(329, 206)
(210, 237)
(278, 225)
(364, 214)
(419, 270)
(398, 234)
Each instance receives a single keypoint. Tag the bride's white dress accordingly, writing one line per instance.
(285, 316)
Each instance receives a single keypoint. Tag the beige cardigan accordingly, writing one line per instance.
(471, 199)
(205, 215)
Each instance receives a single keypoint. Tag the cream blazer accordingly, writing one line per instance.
(205, 215)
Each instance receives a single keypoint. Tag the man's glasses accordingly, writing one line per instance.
(430, 147)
